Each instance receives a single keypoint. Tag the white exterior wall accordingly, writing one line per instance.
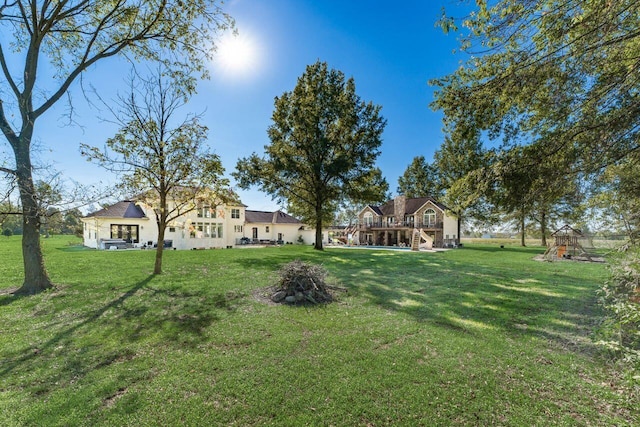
(178, 231)
(186, 234)
(95, 229)
(290, 232)
(309, 236)
(450, 227)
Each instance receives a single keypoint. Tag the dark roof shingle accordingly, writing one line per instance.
(277, 217)
(124, 209)
(411, 206)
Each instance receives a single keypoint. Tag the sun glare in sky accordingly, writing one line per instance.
(237, 54)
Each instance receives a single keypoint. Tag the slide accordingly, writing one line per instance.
(426, 238)
(418, 237)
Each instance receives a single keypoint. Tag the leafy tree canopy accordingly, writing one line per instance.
(420, 179)
(324, 144)
(561, 74)
(617, 200)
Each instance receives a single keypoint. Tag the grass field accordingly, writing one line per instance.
(474, 336)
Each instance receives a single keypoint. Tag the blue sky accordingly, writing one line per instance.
(391, 50)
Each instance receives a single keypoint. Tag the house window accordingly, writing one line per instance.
(430, 218)
(206, 211)
(200, 230)
(409, 220)
(128, 233)
(172, 229)
(266, 229)
(237, 228)
(235, 213)
(368, 218)
(203, 230)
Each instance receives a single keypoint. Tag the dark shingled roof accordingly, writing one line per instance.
(124, 209)
(411, 206)
(277, 217)
(376, 209)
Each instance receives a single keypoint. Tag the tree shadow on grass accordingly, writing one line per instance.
(113, 333)
(76, 248)
(526, 298)
(534, 250)
(8, 296)
(67, 334)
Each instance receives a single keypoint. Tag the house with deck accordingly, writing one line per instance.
(399, 221)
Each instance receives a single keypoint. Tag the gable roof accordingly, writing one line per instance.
(414, 204)
(566, 230)
(376, 209)
(124, 209)
(411, 206)
(277, 217)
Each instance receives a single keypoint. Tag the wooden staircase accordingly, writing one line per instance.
(353, 230)
(415, 240)
(418, 236)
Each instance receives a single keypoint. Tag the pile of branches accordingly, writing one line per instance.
(300, 283)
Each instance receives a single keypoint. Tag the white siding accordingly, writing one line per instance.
(450, 227)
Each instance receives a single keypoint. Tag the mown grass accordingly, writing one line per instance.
(475, 336)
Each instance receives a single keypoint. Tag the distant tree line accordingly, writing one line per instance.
(54, 221)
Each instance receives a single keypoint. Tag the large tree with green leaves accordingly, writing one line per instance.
(420, 179)
(617, 198)
(558, 74)
(460, 155)
(161, 160)
(540, 192)
(45, 46)
(324, 144)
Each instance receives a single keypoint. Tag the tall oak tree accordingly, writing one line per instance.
(324, 144)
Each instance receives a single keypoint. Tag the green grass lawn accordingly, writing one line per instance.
(475, 336)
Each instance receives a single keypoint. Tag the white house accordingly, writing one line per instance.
(277, 226)
(130, 224)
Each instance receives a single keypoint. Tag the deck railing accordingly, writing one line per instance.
(400, 224)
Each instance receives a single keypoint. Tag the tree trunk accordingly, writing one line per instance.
(459, 230)
(157, 268)
(522, 240)
(36, 278)
(318, 244)
(543, 228)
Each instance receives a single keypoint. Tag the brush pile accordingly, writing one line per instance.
(301, 283)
